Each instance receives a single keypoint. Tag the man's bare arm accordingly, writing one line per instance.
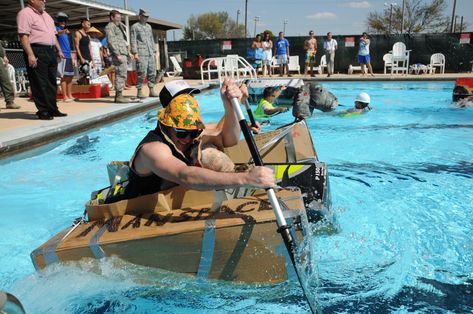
(158, 158)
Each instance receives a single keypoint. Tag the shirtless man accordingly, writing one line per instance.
(163, 158)
(310, 46)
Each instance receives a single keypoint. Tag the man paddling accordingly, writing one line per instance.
(162, 159)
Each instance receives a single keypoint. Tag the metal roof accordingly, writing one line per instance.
(76, 9)
(155, 23)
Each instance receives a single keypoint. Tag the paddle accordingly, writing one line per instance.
(250, 113)
(283, 228)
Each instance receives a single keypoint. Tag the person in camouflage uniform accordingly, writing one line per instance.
(118, 46)
(5, 83)
(144, 51)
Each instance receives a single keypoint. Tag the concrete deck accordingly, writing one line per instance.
(21, 130)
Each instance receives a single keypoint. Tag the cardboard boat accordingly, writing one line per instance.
(227, 235)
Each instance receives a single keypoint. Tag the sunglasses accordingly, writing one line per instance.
(181, 134)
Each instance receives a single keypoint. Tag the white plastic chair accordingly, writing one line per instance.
(353, 68)
(294, 64)
(229, 66)
(322, 65)
(437, 60)
(400, 54)
(235, 66)
(274, 62)
(177, 68)
(210, 66)
(388, 61)
(12, 77)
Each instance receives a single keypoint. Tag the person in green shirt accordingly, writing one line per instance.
(265, 106)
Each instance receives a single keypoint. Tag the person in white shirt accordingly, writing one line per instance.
(267, 54)
(330, 45)
(96, 51)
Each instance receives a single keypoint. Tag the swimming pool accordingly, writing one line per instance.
(401, 179)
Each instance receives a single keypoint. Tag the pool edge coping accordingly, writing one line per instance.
(99, 117)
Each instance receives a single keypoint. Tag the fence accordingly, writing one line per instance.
(458, 56)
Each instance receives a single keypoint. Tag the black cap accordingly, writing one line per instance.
(143, 13)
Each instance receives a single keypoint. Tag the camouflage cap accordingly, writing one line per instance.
(183, 112)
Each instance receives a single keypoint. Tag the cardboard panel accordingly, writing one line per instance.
(246, 243)
(302, 146)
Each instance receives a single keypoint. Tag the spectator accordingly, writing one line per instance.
(107, 61)
(5, 83)
(267, 54)
(282, 53)
(310, 46)
(38, 37)
(364, 54)
(257, 46)
(330, 45)
(66, 65)
(82, 43)
(116, 36)
(96, 50)
(257, 42)
(143, 48)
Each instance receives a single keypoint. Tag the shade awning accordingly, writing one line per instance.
(76, 9)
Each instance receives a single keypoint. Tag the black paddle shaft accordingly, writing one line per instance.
(252, 117)
(284, 230)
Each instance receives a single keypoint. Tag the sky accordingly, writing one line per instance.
(322, 16)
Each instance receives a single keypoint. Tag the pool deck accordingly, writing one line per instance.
(20, 129)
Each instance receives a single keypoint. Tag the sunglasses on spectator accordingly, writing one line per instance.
(181, 133)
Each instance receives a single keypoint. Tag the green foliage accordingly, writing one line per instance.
(419, 16)
(271, 35)
(212, 25)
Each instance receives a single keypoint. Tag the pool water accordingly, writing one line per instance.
(401, 179)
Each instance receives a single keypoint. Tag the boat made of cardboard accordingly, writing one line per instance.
(226, 234)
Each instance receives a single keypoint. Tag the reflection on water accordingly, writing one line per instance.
(83, 145)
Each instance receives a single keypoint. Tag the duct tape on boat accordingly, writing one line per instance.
(49, 253)
(94, 243)
(208, 247)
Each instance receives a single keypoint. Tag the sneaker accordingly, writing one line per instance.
(152, 92)
(12, 105)
(140, 94)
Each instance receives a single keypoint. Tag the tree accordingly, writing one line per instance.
(419, 16)
(271, 35)
(212, 25)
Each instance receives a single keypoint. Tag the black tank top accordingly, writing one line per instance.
(84, 42)
(143, 185)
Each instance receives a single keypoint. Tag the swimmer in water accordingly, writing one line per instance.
(362, 105)
(465, 102)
